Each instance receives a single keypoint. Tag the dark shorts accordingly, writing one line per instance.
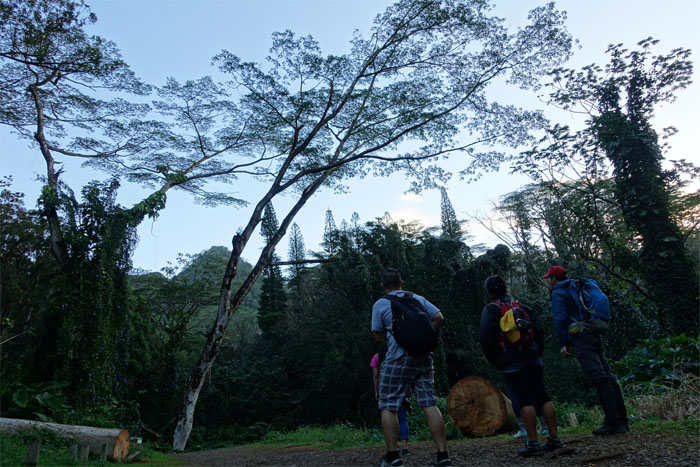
(528, 385)
(397, 377)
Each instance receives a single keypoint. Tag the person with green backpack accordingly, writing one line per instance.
(581, 313)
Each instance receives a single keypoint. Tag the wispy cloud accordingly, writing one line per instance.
(411, 198)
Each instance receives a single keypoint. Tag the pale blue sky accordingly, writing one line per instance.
(162, 38)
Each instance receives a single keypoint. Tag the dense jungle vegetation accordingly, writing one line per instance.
(298, 352)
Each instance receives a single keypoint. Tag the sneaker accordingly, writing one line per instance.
(553, 444)
(405, 452)
(606, 430)
(520, 434)
(444, 462)
(544, 432)
(385, 463)
(530, 449)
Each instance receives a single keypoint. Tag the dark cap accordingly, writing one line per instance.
(555, 271)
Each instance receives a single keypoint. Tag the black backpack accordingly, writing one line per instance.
(411, 325)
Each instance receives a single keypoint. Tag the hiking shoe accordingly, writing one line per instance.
(553, 444)
(405, 452)
(544, 432)
(385, 463)
(606, 430)
(520, 434)
(530, 449)
(621, 430)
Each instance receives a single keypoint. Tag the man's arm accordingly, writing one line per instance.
(488, 334)
(380, 337)
(560, 315)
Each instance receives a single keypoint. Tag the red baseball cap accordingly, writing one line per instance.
(555, 271)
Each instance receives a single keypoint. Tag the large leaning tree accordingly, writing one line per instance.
(619, 142)
(410, 94)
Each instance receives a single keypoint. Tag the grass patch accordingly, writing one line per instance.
(339, 436)
(154, 457)
(651, 425)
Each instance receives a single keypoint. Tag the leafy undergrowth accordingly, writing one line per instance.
(55, 451)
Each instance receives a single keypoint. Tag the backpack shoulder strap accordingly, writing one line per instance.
(580, 284)
(511, 303)
(393, 297)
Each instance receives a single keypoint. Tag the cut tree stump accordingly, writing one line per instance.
(478, 408)
(117, 440)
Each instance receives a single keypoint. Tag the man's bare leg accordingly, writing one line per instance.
(390, 428)
(436, 424)
(530, 420)
(550, 416)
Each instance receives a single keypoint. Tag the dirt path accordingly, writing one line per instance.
(627, 450)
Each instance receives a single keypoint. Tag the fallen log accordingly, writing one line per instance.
(478, 408)
(117, 440)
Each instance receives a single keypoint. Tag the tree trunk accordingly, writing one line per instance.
(478, 408)
(229, 305)
(116, 439)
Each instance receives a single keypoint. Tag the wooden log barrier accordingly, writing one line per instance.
(478, 408)
(117, 440)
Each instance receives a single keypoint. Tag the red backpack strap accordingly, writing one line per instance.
(505, 306)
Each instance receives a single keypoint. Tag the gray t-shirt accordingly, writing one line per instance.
(382, 318)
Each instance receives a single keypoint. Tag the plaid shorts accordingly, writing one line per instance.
(397, 377)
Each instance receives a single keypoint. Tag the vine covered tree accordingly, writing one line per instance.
(57, 81)
(619, 100)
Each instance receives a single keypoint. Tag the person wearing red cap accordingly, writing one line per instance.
(588, 350)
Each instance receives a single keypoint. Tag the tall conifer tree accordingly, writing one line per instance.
(273, 299)
(296, 249)
(330, 234)
(451, 228)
